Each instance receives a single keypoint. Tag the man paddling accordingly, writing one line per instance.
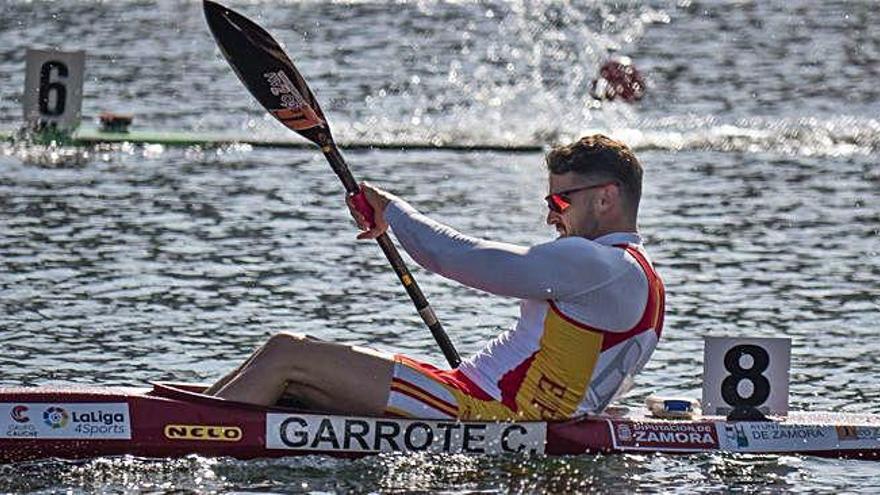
(591, 311)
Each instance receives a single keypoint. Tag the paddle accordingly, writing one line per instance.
(271, 77)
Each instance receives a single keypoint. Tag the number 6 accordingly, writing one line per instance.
(47, 88)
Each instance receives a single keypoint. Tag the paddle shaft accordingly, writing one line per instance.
(269, 74)
(337, 163)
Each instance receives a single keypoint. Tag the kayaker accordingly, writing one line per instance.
(591, 311)
(618, 79)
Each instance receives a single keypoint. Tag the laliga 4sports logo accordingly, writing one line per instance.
(18, 414)
(68, 420)
(56, 417)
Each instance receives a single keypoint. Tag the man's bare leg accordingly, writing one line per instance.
(322, 375)
(213, 389)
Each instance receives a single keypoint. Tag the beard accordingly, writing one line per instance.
(561, 230)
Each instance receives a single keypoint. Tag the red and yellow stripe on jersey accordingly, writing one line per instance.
(571, 362)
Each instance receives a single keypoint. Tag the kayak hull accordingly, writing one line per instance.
(173, 420)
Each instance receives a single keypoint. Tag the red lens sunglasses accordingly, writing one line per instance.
(559, 202)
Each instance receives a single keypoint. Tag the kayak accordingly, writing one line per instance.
(173, 420)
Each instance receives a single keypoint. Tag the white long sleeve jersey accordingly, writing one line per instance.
(591, 311)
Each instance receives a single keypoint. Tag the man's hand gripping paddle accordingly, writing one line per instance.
(271, 77)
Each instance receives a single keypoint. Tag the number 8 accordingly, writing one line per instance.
(760, 383)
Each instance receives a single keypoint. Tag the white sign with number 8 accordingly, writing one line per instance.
(745, 373)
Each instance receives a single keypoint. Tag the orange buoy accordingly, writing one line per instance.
(115, 122)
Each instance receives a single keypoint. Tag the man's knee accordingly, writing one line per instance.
(281, 353)
(298, 352)
(286, 344)
(286, 340)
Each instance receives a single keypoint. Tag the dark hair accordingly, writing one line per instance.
(602, 157)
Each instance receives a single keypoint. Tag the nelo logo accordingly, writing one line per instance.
(18, 414)
(56, 417)
(209, 433)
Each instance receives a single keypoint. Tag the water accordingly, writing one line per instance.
(759, 135)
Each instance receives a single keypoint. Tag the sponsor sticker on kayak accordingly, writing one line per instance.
(355, 434)
(868, 435)
(771, 436)
(203, 433)
(664, 436)
(78, 420)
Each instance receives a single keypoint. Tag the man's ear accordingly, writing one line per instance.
(608, 197)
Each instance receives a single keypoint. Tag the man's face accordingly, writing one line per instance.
(579, 199)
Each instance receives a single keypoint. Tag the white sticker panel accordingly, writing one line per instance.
(784, 437)
(858, 437)
(355, 434)
(79, 420)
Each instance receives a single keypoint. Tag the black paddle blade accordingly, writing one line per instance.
(267, 72)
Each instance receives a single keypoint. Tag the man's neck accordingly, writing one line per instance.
(612, 229)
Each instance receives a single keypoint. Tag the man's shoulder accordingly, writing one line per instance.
(580, 245)
(580, 250)
(576, 242)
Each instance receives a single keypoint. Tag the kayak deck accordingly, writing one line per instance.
(172, 420)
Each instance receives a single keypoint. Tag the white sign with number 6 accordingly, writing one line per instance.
(53, 89)
(745, 373)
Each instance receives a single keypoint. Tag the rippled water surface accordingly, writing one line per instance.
(126, 264)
